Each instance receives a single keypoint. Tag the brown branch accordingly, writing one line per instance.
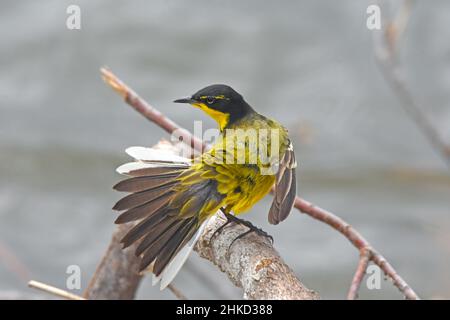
(177, 293)
(358, 241)
(117, 275)
(364, 259)
(251, 263)
(386, 47)
(302, 205)
(149, 112)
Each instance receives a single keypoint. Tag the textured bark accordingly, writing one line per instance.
(251, 263)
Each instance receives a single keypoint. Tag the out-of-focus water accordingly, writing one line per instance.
(308, 64)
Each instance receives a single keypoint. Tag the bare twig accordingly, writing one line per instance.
(357, 240)
(177, 293)
(302, 205)
(364, 259)
(53, 290)
(152, 114)
(386, 47)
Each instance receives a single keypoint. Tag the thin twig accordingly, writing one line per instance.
(53, 290)
(386, 47)
(177, 293)
(357, 240)
(149, 112)
(364, 259)
(302, 205)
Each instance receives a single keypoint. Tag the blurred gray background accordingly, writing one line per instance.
(309, 64)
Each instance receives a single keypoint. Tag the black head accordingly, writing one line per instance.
(221, 102)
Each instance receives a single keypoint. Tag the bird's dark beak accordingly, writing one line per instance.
(185, 100)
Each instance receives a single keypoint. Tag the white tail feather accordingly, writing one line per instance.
(131, 166)
(149, 154)
(126, 168)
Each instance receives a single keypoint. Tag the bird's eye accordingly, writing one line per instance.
(210, 100)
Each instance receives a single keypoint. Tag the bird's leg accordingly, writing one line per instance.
(227, 216)
(251, 228)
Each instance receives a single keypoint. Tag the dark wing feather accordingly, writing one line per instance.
(146, 209)
(137, 184)
(153, 236)
(174, 245)
(285, 187)
(138, 198)
(139, 230)
(163, 246)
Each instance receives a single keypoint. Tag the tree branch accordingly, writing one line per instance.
(304, 206)
(117, 275)
(359, 274)
(251, 263)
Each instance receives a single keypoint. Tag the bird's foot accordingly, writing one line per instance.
(251, 228)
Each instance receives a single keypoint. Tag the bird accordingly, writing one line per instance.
(171, 198)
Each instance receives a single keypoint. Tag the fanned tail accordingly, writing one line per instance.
(166, 237)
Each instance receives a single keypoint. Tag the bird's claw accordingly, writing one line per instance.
(251, 228)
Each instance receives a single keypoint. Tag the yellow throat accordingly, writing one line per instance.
(220, 117)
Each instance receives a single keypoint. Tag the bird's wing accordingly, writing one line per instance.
(285, 187)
